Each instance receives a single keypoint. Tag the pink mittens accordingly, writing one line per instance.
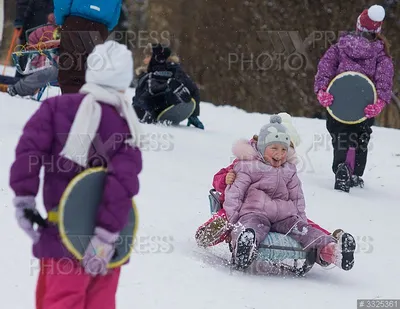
(374, 110)
(324, 98)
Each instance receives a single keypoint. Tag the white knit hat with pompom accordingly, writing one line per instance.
(291, 130)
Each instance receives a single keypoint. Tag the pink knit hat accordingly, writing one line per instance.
(370, 20)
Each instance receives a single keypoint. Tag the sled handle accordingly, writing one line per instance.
(35, 217)
(274, 247)
(215, 194)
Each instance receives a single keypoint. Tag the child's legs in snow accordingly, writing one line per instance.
(102, 291)
(340, 143)
(63, 283)
(260, 225)
(307, 236)
(362, 152)
(31, 83)
(345, 136)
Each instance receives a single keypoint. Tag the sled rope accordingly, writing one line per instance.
(16, 34)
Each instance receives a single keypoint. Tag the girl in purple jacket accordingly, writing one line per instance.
(267, 196)
(366, 51)
(58, 138)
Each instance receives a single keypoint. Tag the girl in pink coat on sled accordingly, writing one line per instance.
(214, 230)
(267, 196)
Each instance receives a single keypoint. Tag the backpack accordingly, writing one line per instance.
(164, 84)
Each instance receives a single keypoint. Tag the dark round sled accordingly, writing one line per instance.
(352, 92)
(278, 250)
(175, 114)
(77, 214)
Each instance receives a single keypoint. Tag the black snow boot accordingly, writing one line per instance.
(347, 245)
(245, 251)
(343, 178)
(357, 181)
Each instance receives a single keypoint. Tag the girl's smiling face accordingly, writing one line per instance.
(276, 154)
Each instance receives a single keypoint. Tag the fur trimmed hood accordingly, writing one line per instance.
(246, 150)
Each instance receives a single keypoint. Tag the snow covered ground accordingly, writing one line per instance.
(167, 270)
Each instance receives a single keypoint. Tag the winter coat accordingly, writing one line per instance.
(145, 101)
(270, 193)
(181, 76)
(219, 183)
(43, 138)
(79, 36)
(32, 13)
(356, 53)
(105, 12)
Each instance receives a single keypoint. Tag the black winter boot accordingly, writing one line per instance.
(357, 181)
(347, 246)
(343, 178)
(246, 249)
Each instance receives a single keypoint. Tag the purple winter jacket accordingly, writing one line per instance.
(44, 136)
(268, 192)
(356, 53)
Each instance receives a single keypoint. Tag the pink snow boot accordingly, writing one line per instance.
(214, 231)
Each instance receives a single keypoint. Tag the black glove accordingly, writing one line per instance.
(181, 93)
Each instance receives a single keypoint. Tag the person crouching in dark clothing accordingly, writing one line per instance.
(162, 83)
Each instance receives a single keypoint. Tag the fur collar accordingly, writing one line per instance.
(245, 150)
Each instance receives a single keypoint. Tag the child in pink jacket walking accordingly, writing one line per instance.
(267, 196)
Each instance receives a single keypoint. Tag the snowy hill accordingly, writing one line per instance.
(167, 270)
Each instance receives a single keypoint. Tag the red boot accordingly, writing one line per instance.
(214, 231)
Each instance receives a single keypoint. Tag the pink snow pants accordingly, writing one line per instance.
(63, 284)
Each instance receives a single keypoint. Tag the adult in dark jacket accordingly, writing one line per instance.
(159, 77)
(85, 24)
(30, 14)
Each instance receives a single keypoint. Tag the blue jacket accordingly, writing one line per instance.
(106, 12)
